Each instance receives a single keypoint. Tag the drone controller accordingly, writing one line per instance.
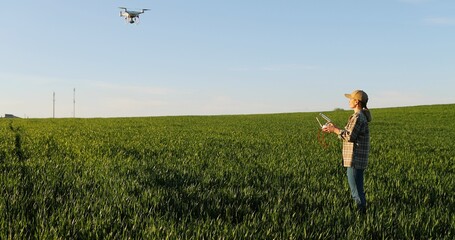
(328, 121)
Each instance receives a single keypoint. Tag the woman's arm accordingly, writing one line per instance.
(350, 132)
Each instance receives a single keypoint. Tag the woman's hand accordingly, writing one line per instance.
(331, 128)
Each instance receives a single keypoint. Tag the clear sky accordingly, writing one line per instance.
(204, 57)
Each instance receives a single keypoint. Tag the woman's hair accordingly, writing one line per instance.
(365, 110)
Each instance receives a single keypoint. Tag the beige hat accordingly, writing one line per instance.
(358, 95)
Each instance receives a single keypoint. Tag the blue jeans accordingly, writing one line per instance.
(355, 180)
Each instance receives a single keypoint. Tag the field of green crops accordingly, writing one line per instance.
(228, 177)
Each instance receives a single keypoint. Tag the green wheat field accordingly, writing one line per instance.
(225, 177)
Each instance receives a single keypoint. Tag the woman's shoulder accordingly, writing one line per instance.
(360, 116)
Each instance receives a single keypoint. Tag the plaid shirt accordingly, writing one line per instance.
(356, 141)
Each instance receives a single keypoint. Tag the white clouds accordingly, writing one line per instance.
(439, 21)
(29, 80)
(392, 98)
(277, 68)
(124, 100)
(414, 1)
(132, 89)
(125, 107)
(289, 67)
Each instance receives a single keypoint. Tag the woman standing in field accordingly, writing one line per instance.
(356, 145)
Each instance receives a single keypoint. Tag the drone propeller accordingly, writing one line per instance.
(124, 8)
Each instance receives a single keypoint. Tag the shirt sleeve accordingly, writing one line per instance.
(352, 129)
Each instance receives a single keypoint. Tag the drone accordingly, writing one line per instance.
(131, 16)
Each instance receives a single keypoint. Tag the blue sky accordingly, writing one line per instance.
(205, 57)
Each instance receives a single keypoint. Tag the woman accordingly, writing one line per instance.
(356, 145)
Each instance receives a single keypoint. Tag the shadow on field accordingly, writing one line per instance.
(17, 188)
(185, 195)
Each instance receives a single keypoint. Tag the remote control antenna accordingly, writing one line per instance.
(325, 117)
